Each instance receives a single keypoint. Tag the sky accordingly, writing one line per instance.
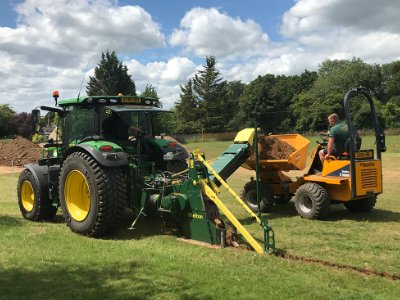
(55, 45)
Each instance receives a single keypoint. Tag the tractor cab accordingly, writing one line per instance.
(122, 126)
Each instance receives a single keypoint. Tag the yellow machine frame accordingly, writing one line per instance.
(337, 180)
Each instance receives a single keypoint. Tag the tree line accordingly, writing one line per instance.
(276, 103)
(280, 103)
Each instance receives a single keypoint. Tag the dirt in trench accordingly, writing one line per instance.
(19, 152)
(270, 147)
(364, 271)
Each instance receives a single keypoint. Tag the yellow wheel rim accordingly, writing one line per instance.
(27, 196)
(77, 195)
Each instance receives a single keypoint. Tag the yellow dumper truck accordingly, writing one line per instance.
(354, 178)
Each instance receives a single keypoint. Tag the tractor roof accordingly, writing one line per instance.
(109, 100)
(147, 108)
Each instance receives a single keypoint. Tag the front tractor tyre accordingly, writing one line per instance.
(312, 201)
(92, 196)
(361, 205)
(249, 196)
(34, 203)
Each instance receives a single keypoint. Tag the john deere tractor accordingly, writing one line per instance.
(94, 173)
(88, 173)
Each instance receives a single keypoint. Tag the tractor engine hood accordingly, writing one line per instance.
(171, 149)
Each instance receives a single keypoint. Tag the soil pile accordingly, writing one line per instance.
(270, 147)
(19, 152)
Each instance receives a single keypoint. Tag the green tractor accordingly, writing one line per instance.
(94, 172)
(110, 156)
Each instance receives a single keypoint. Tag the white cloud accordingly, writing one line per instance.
(166, 77)
(176, 70)
(359, 16)
(54, 40)
(313, 31)
(208, 31)
(58, 32)
(318, 30)
(345, 29)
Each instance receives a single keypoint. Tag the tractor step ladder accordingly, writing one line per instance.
(207, 186)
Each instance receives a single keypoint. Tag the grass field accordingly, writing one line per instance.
(47, 260)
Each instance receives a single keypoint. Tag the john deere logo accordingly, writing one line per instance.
(131, 100)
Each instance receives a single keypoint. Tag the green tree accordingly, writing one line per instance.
(21, 124)
(390, 80)
(209, 89)
(6, 113)
(391, 112)
(267, 100)
(151, 92)
(230, 105)
(335, 77)
(187, 113)
(162, 121)
(260, 102)
(110, 77)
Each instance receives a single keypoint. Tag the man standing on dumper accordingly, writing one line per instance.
(337, 136)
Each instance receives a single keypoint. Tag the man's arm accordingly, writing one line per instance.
(331, 142)
(135, 129)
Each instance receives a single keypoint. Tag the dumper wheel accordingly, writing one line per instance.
(34, 205)
(92, 196)
(312, 201)
(249, 196)
(362, 205)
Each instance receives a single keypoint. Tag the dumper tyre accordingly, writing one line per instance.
(33, 204)
(249, 196)
(362, 205)
(92, 196)
(312, 201)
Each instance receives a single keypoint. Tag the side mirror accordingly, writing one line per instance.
(35, 120)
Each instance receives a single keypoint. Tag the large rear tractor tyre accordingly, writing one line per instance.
(249, 196)
(312, 201)
(92, 196)
(362, 205)
(34, 205)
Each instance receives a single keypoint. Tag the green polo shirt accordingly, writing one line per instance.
(340, 133)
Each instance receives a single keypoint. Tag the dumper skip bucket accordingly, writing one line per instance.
(295, 161)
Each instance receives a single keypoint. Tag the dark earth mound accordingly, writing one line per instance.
(19, 152)
(270, 147)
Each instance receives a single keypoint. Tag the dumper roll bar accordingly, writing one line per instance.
(379, 133)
